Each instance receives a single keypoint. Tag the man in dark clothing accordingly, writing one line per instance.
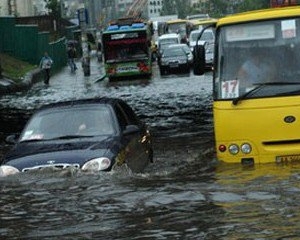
(71, 57)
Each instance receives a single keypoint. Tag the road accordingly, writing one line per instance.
(184, 194)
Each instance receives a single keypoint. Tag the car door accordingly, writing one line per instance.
(135, 143)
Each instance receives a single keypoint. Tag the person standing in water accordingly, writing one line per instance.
(46, 64)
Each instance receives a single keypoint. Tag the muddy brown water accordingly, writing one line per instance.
(184, 194)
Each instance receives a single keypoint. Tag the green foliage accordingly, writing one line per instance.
(13, 68)
(219, 8)
(54, 7)
(248, 5)
(215, 8)
(168, 8)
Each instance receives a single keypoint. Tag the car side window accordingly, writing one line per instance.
(131, 116)
(121, 117)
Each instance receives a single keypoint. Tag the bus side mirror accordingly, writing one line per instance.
(199, 60)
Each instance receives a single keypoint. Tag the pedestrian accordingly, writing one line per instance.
(71, 57)
(46, 64)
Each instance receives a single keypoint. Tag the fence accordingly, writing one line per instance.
(27, 43)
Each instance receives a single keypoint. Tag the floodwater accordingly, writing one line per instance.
(184, 194)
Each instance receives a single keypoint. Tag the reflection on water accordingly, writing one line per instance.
(198, 200)
(261, 202)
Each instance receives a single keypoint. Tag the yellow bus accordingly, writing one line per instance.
(256, 86)
(183, 27)
(201, 23)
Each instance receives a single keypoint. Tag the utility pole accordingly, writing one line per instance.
(83, 21)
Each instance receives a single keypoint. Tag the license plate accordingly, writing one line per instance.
(174, 65)
(288, 158)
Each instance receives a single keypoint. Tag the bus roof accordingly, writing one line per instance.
(270, 13)
(125, 28)
(177, 21)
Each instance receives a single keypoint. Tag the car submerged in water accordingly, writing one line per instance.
(91, 135)
(174, 59)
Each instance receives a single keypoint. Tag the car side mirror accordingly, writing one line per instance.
(12, 139)
(130, 129)
(199, 59)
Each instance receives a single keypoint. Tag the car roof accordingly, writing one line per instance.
(175, 46)
(79, 102)
(169, 35)
(198, 30)
(179, 45)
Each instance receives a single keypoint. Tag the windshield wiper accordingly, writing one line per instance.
(235, 101)
(32, 140)
(71, 137)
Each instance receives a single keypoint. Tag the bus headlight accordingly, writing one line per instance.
(246, 148)
(234, 149)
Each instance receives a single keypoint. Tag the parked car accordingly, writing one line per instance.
(187, 51)
(174, 59)
(90, 135)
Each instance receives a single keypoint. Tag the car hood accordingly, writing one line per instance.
(173, 58)
(29, 154)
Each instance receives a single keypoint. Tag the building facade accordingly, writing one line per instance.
(154, 8)
(22, 8)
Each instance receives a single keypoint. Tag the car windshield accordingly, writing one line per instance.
(168, 41)
(194, 36)
(71, 122)
(173, 51)
(264, 53)
(207, 35)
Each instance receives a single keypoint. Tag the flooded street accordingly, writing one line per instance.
(184, 194)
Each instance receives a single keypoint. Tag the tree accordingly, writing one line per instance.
(182, 8)
(168, 7)
(54, 7)
(218, 8)
(248, 5)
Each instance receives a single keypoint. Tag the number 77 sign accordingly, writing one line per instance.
(230, 89)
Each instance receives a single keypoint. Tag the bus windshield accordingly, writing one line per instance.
(258, 59)
(125, 46)
(177, 28)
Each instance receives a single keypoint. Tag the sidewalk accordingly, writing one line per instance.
(8, 86)
(97, 72)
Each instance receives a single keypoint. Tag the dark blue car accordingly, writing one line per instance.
(88, 134)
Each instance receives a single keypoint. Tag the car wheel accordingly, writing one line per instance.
(187, 69)
(162, 71)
